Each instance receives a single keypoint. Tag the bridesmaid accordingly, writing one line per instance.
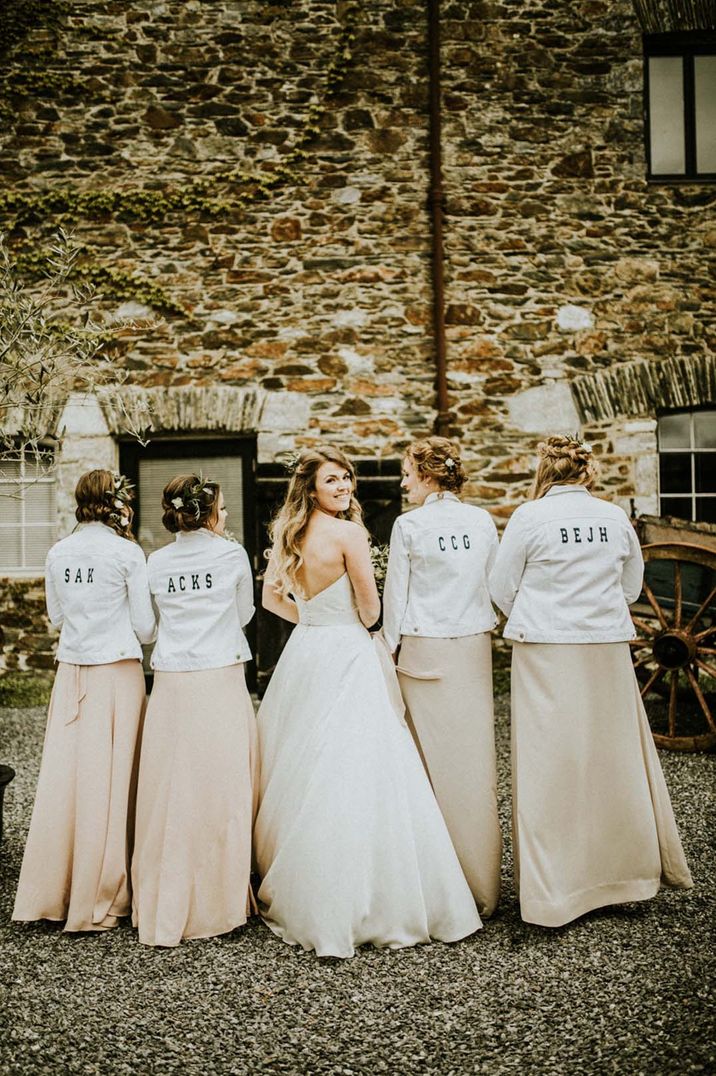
(592, 819)
(436, 608)
(190, 872)
(76, 863)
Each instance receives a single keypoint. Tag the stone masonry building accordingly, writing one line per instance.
(251, 183)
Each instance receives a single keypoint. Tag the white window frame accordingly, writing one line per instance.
(18, 488)
(684, 47)
(693, 450)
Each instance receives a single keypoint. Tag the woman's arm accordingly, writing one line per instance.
(141, 611)
(356, 554)
(633, 569)
(52, 598)
(275, 602)
(395, 591)
(245, 588)
(506, 575)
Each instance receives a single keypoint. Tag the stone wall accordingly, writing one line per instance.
(320, 289)
(254, 177)
(563, 260)
(27, 641)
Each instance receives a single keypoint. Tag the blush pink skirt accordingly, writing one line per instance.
(76, 863)
(195, 805)
(592, 818)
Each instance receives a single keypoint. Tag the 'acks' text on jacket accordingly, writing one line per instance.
(203, 588)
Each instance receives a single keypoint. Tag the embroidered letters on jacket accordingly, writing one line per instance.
(192, 581)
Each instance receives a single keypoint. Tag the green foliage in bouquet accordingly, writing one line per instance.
(379, 560)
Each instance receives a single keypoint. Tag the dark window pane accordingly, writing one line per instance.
(676, 506)
(675, 431)
(705, 429)
(706, 509)
(705, 108)
(675, 472)
(705, 471)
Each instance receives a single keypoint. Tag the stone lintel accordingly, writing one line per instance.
(220, 408)
(642, 388)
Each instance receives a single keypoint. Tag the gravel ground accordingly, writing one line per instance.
(624, 990)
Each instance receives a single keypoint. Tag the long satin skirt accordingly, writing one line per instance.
(447, 688)
(195, 805)
(592, 819)
(76, 863)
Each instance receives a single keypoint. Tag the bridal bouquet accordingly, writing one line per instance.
(379, 560)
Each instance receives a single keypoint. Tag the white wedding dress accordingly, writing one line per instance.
(349, 840)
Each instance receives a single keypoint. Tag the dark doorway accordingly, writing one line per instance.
(379, 494)
(229, 460)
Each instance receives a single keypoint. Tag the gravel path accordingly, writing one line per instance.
(621, 991)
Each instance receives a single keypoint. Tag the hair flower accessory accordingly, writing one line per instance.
(119, 498)
(290, 461)
(586, 446)
(177, 502)
(450, 463)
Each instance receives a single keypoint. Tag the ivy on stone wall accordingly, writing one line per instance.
(19, 17)
(226, 193)
(212, 196)
(104, 279)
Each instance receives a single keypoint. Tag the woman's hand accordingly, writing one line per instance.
(274, 602)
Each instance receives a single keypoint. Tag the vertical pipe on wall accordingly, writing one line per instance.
(436, 203)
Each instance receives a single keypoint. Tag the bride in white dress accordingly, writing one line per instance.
(349, 840)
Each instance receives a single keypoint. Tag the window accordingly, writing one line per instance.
(687, 465)
(28, 523)
(229, 461)
(680, 105)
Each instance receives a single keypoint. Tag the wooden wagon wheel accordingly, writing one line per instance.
(675, 652)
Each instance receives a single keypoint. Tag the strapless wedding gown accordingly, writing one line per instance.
(349, 840)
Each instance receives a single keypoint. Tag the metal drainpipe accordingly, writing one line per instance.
(436, 203)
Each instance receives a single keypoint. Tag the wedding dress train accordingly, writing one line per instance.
(349, 840)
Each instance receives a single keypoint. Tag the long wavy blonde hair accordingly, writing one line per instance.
(564, 461)
(288, 529)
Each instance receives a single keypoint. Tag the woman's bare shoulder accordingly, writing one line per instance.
(347, 532)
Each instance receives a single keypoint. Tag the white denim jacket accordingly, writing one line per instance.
(203, 589)
(436, 583)
(569, 566)
(96, 588)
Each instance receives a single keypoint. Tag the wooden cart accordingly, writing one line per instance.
(675, 617)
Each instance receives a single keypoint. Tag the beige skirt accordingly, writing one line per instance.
(195, 807)
(76, 862)
(447, 688)
(592, 818)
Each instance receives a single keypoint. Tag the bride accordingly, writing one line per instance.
(349, 840)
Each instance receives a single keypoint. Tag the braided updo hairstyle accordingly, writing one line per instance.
(189, 503)
(564, 461)
(103, 497)
(438, 458)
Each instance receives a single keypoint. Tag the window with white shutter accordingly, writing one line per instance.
(28, 524)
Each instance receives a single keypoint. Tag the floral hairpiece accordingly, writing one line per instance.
(450, 463)
(290, 460)
(190, 499)
(584, 445)
(120, 495)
